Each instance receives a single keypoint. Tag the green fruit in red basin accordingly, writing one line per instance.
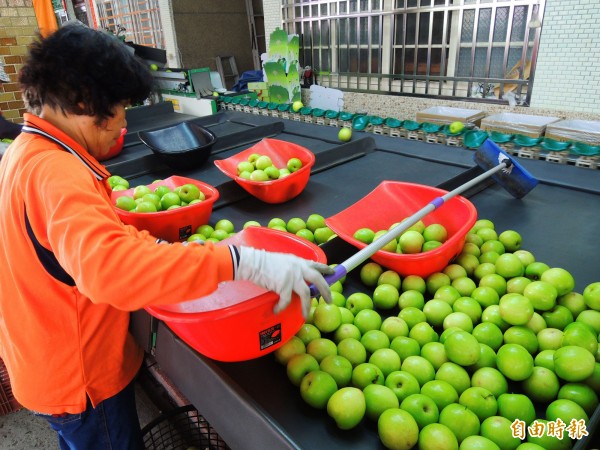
(146, 207)
(514, 361)
(436, 436)
(125, 203)
(364, 235)
(347, 407)
(189, 192)
(573, 363)
(295, 224)
(316, 388)
(562, 280)
(379, 398)
(169, 199)
(294, 164)
(435, 232)
(422, 408)
(140, 191)
(411, 242)
(397, 429)
(498, 430)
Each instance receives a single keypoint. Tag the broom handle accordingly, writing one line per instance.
(362, 255)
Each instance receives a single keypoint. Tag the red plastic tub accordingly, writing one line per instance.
(392, 201)
(236, 322)
(274, 191)
(176, 224)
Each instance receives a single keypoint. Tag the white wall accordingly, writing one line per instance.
(568, 66)
(567, 76)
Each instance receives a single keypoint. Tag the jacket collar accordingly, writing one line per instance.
(36, 125)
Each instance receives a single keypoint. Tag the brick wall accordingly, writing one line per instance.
(18, 26)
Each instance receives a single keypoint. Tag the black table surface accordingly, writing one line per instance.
(252, 404)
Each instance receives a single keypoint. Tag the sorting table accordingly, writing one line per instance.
(252, 404)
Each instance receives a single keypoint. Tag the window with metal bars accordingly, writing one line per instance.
(136, 20)
(456, 49)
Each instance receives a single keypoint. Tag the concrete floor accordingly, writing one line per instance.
(21, 430)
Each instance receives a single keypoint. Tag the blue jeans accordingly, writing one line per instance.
(112, 425)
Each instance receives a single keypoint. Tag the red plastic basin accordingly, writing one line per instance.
(392, 201)
(175, 224)
(236, 322)
(274, 191)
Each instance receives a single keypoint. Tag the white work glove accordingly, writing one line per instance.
(283, 273)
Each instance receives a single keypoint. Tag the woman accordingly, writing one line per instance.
(71, 270)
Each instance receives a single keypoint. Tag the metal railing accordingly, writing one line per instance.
(456, 49)
(140, 20)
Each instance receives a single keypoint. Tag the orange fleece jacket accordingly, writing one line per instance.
(71, 273)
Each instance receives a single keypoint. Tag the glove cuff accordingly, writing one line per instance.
(235, 260)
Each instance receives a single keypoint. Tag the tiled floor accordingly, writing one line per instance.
(21, 430)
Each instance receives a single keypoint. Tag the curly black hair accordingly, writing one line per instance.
(84, 72)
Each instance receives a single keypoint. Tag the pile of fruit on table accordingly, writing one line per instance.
(496, 351)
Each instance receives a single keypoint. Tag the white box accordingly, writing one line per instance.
(191, 105)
